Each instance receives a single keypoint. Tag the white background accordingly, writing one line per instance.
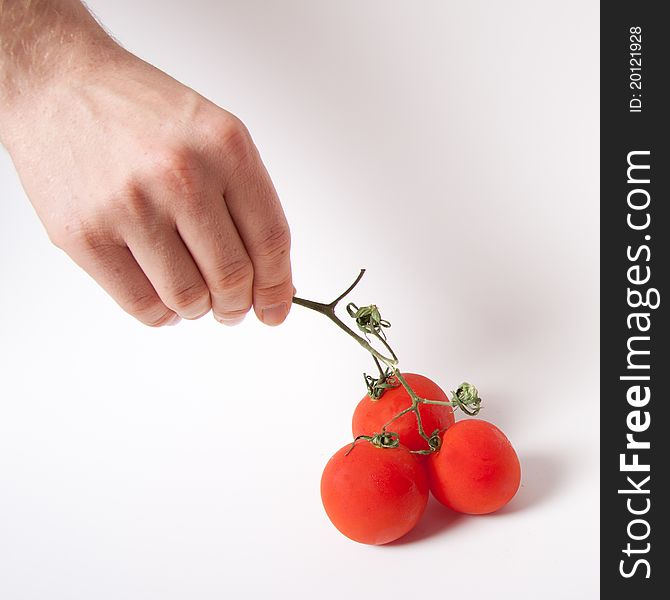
(449, 147)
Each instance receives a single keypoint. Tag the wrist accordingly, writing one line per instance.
(51, 44)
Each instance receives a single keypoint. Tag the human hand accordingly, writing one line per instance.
(159, 194)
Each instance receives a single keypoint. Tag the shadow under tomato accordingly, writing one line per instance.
(436, 520)
(541, 478)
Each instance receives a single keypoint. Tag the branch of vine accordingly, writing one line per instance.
(370, 323)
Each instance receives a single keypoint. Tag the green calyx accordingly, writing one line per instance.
(466, 397)
(371, 324)
(384, 439)
(368, 319)
(376, 386)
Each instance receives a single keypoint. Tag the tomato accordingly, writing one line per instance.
(371, 415)
(476, 470)
(374, 495)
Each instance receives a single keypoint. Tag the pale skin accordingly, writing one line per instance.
(159, 194)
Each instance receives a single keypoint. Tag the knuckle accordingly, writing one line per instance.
(190, 296)
(133, 203)
(164, 319)
(235, 140)
(82, 237)
(275, 290)
(182, 173)
(274, 242)
(148, 309)
(235, 275)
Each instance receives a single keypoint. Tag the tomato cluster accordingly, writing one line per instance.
(376, 489)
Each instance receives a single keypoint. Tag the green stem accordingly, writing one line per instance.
(369, 321)
(438, 402)
(382, 374)
(329, 311)
(416, 400)
(402, 413)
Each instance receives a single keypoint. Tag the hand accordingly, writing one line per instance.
(159, 194)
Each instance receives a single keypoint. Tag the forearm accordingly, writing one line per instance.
(41, 41)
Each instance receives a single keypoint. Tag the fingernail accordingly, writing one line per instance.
(174, 320)
(274, 314)
(229, 321)
(294, 291)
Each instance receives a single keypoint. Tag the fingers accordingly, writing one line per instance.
(255, 208)
(116, 270)
(212, 239)
(169, 266)
(185, 241)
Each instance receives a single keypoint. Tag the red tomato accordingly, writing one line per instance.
(374, 495)
(476, 470)
(371, 415)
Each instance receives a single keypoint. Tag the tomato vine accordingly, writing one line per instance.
(371, 324)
